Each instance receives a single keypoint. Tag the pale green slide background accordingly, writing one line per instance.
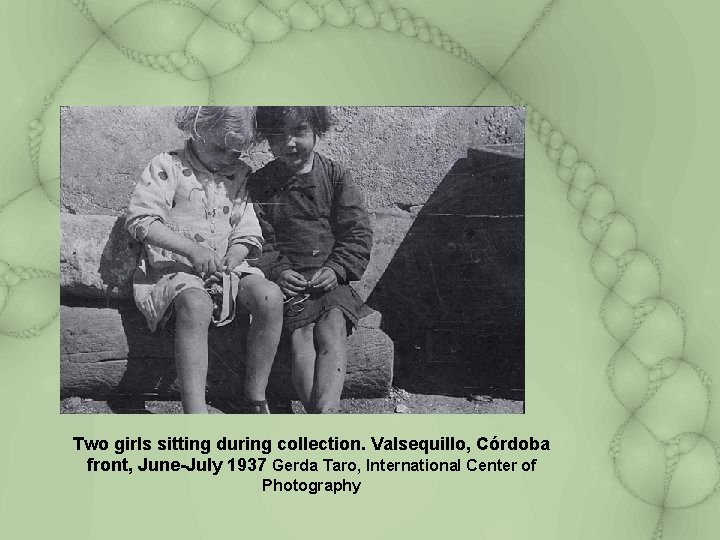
(621, 104)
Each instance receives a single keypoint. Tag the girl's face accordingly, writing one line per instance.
(219, 150)
(294, 147)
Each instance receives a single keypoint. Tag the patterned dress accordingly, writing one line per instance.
(211, 208)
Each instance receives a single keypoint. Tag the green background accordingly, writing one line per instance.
(630, 85)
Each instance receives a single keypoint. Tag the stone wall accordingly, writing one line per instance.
(398, 155)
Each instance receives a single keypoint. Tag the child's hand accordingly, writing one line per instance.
(234, 256)
(324, 279)
(229, 262)
(204, 260)
(291, 283)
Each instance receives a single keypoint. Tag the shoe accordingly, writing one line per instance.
(254, 407)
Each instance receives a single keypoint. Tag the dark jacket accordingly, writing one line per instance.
(311, 220)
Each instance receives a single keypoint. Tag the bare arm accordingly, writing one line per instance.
(235, 255)
(147, 211)
(203, 259)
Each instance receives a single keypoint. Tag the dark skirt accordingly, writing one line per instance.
(305, 309)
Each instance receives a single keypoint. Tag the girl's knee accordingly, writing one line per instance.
(331, 327)
(302, 341)
(193, 306)
(302, 344)
(265, 299)
(272, 296)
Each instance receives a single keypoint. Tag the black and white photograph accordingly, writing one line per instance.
(292, 260)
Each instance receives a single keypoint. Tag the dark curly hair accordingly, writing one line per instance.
(275, 120)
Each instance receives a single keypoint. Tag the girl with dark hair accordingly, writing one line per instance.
(318, 240)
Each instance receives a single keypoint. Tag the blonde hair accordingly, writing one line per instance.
(238, 122)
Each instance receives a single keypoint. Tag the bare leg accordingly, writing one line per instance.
(193, 311)
(331, 335)
(264, 301)
(303, 363)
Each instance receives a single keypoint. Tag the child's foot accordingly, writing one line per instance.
(255, 407)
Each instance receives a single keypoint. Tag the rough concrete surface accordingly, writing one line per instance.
(397, 155)
(97, 257)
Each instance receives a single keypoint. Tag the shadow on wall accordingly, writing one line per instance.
(452, 297)
(119, 259)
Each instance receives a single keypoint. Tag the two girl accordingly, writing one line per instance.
(192, 212)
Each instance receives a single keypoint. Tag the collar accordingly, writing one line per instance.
(308, 179)
(230, 171)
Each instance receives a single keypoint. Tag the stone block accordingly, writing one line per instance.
(106, 352)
